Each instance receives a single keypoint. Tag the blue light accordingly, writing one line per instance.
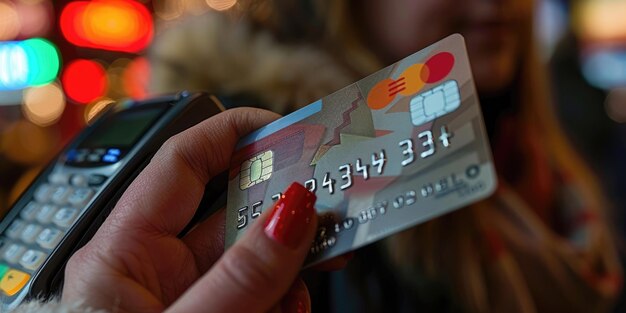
(13, 66)
(71, 155)
(115, 152)
(109, 158)
(27, 63)
(605, 68)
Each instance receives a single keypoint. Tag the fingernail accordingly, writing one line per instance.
(297, 300)
(290, 215)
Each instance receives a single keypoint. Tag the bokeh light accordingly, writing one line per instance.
(84, 81)
(615, 105)
(34, 18)
(33, 1)
(13, 66)
(601, 19)
(168, 9)
(43, 60)
(116, 25)
(94, 109)
(26, 143)
(221, 5)
(43, 105)
(604, 68)
(136, 78)
(196, 7)
(27, 63)
(115, 72)
(9, 21)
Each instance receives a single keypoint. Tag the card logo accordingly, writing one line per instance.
(411, 80)
(256, 170)
(434, 103)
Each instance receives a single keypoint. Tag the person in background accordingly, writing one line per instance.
(542, 243)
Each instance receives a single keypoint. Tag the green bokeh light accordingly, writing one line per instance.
(43, 61)
(31, 62)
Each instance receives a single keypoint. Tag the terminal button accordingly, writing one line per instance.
(30, 210)
(43, 193)
(13, 252)
(95, 180)
(114, 151)
(49, 238)
(65, 217)
(110, 158)
(13, 281)
(32, 259)
(3, 269)
(78, 180)
(80, 197)
(59, 178)
(45, 213)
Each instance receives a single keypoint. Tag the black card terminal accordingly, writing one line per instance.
(70, 199)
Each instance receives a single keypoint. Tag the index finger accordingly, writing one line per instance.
(165, 195)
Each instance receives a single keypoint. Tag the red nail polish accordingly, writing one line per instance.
(289, 216)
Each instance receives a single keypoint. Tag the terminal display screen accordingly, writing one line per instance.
(123, 129)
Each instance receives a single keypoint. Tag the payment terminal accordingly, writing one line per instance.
(70, 199)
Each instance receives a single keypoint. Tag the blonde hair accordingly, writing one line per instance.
(536, 110)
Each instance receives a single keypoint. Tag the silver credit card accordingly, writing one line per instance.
(395, 149)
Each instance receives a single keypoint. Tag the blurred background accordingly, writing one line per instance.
(61, 62)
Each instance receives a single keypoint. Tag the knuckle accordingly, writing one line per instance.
(78, 258)
(246, 271)
(73, 263)
(77, 262)
(170, 148)
(173, 144)
(179, 149)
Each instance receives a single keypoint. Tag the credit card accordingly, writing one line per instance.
(393, 150)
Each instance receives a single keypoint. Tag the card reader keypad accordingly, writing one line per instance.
(41, 225)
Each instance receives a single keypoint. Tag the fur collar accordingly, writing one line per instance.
(214, 53)
(53, 306)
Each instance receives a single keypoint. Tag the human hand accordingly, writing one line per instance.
(136, 262)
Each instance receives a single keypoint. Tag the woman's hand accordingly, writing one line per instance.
(136, 263)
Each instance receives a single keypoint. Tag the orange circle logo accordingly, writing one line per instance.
(411, 80)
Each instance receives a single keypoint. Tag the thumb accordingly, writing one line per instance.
(255, 273)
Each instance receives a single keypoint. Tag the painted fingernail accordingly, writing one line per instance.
(290, 215)
(297, 300)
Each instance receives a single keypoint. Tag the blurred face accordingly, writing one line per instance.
(492, 30)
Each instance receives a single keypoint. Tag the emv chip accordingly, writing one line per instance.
(256, 170)
(434, 103)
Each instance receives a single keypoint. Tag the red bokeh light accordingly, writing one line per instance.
(84, 81)
(136, 78)
(118, 25)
